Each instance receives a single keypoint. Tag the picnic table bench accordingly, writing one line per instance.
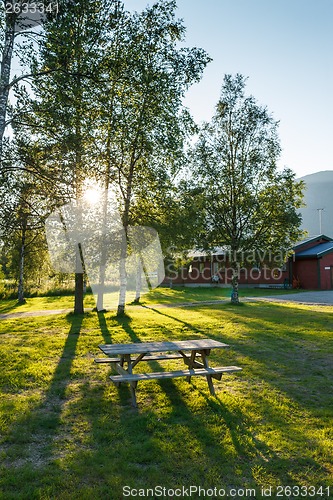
(124, 357)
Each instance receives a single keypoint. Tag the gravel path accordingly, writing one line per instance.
(324, 297)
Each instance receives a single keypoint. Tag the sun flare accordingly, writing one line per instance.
(92, 194)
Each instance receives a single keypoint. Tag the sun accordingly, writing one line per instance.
(92, 193)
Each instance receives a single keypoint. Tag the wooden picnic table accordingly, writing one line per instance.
(124, 357)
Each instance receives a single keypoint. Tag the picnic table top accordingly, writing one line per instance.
(143, 347)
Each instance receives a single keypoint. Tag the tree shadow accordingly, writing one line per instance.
(104, 327)
(287, 356)
(185, 323)
(180, 435)
(8, 306)
(125, 322)
(245, 438)
(157, 441)
(38, 428)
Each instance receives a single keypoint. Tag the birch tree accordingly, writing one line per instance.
(63, 108)
(249, 204)
(148, 77)
(24, 210)
(107, 103)
(18, 39)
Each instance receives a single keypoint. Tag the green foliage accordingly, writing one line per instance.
(249, 204)
(106, 104)
(143, 125)
(2, 284)
(25, 207)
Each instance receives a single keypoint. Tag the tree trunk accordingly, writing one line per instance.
(101, 284)
(123, 252)
(122, 276)
(79, 284)
(78, 303)
(103, 247)
(122, 288)
(138, 280)
(235, 271)
(7, 54)
(234, 284)
(20, 295)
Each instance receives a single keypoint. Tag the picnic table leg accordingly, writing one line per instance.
(120, 365)
(133, 395)
(208, 377)
(190, 364)
(132, 384)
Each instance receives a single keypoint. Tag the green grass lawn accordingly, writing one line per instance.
(43, 304)
(67, 433)
(159, 295)
(197, 294)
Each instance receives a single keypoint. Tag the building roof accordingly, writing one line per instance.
(310, 239)
(204, 253)
(316, 251)
(326, 246)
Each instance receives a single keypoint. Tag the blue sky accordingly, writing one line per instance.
(285, 48)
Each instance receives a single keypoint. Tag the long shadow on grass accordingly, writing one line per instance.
(287, 351)
(125, 322)
(289, 363)
(297, 363)
(187, 444)
(155, 442)
(179, 436)
(185, 323)
(37, 430)
(104, 328)
(8, 306)
(166, 441)
(274, 353)
(284, 467)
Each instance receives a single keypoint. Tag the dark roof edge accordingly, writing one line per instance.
(321, 254)
(309, 240)
(316, 254)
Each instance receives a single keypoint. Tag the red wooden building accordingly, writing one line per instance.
(313, 263)
(310, 267)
